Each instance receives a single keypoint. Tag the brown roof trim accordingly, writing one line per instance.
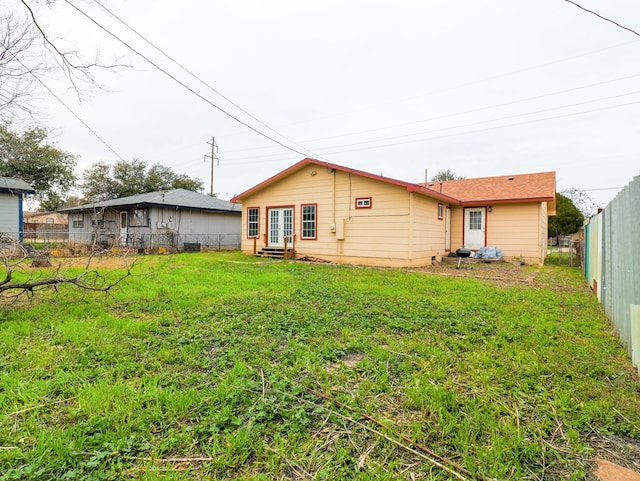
(309, 161)
(507, 201)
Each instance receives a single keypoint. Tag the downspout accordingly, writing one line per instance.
(334, 197)
(410, 246)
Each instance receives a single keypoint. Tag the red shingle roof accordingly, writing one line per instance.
(536, 187)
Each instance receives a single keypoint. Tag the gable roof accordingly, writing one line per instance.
(538, 187)
(16, 186)
(176, 198)
(417, 188)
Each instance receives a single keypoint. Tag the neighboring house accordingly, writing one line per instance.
(11, 213)
(176, 218)
(345, 215)
(45, 226)
(50, 218)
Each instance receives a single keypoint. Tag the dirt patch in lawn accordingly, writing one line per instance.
(506, 274)
(500, 273)
(97, 262)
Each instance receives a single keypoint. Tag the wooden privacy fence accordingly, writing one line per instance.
(39, 232)
(612, 264)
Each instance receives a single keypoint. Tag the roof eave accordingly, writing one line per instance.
(17, 190)
(309, 161)
(432, 193)
(506, 201)
(90, 207)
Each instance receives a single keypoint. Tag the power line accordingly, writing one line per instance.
(185, 69)
(67, 107)
(471, 124)
(183, 84)
(603, 188)
(486, 129)
(486, 79)
(603, 18)
(440, 117)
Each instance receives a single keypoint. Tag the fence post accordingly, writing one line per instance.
(635, 335)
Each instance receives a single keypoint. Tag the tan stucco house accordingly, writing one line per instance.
(327, 211)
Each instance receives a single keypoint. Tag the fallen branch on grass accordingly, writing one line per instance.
(14, 256)
(439, 463)
(204, 459)
(60, 401)
(402, 436)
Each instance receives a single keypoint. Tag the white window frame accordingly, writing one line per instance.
(309, 224)
(77, 220)
(253, 226)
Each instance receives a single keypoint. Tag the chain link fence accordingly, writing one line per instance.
(62, 243)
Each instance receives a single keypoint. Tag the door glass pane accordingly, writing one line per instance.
(288, 222)
(475, 220)
(273, 226)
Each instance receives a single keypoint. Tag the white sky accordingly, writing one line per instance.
(482, 88)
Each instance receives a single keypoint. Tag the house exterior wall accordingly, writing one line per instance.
(516, 229)
(395, 231)
(519, 230)
(10, 213)
(457, 227)
(166, 227)
(544, 231)
(216, 229)
(45, 218)
(428, 231)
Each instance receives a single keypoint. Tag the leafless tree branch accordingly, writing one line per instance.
(28, 52)
(18, 282)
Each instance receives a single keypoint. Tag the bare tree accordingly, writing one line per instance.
(20, 279)
(28, 54)
(19, 65)
(583, 201)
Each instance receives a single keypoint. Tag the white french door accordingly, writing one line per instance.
(474, 227)
(280, 226)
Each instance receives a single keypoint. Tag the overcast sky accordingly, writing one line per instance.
(482, 88)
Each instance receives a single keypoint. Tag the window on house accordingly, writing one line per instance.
(49, 220)
(363, 203)
(253, 222)
(139, 218)
(475, 220)
(309, 221)
(77, 221)
(440, 211)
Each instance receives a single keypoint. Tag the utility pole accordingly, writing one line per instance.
(212, 156)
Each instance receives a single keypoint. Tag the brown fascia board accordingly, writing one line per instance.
(432, 193)
(309, 161)
(506, 201)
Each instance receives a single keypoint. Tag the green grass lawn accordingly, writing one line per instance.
(218, 366)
